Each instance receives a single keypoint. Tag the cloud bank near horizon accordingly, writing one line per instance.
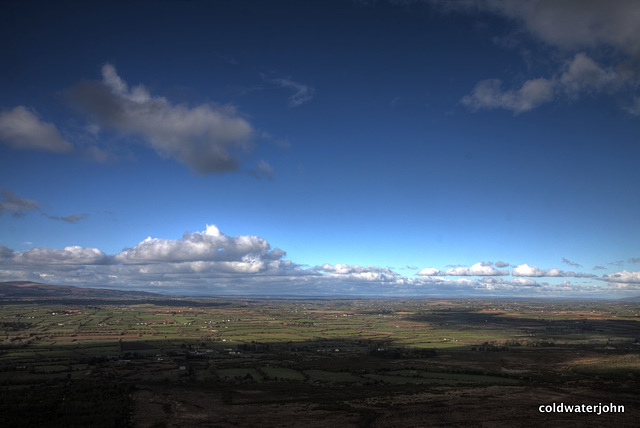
(210, 262)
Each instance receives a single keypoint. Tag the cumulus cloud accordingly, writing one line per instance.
(488, 94)
(566, 24)
(205, 137)
(572, 28)
(429, 272)
(534, 271)
(528, 282)
(575, 24)
(526, 270)
(578, 76)
(301, 93)
(23, 129)
(73, 255)
(368, 273)
(210, 245)
(210, 262)
(624, 277)
(478, 269)
(501, 264)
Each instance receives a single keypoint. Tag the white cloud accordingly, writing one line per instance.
(355, 272)
(624, 277)
(21, 128)
(488, 94)
(526, 270)
(210, 245)
(528, 282)
(429, 272)
(204, 137)
(211, 262)
(478, 269)
(73, 255)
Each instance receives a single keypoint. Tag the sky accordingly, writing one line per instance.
(477, 148)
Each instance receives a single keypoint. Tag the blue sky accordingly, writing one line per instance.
(399, 148)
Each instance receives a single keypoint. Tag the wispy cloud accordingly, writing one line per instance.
(570, 263)
(23, 129)
(263, 170)
(301, 93)
(207, 138)
(19, 207)
(69, 219)
(16, 205)
(488, 94)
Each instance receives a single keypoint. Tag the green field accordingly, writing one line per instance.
(358, 357)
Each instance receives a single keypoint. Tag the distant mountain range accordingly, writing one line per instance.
(28, 289)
